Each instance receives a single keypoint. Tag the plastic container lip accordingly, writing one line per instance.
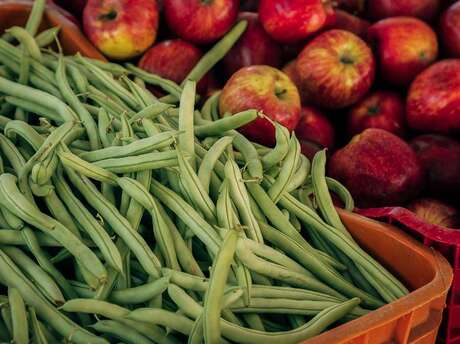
(16, 12)
(429, 281)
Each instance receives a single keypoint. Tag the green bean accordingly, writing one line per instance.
(120, 331)
(6, 316)
(153, 79)
(253, 163)
(227, 123)
(226, 212)
(43, 281)
(217, 52)
(13, 278)
(13, 199)
(195, 190)
(215, 291)
(186, 139)
(91, 226)
(240, 197)
(110, 83)
(33, 108)
(13, 237)
(18, 317)
(103, 97)
(80, 83)
(104, 126)
(137, 147)
(68, 94)
(345, 244)
(184, 254)
(112, 68)
(43, 170)
(40, 97)
(11, 219)
(300, 175)
(35, 16)
(17, 162)
(161, 231)
(277, 154)
(150, 111)
(119, 223)
(142, 162)
(312, 262)
(27, 40)
(156, 316)
(207, 106)
(188, 215)
(47, 37)
(287, 170)
(70, 160)
(36, 330)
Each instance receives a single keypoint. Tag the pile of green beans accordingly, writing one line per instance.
(127, 218)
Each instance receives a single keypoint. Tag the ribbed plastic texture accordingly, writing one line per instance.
(414, 319)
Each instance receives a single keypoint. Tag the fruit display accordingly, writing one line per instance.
(183, 185)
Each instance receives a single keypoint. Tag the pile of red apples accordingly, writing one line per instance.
(376, 82)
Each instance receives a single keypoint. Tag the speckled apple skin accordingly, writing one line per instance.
(433, 101)
(378, 168)
(129, 35)
(381, 109)
(423, 9)
(315, 126)
(404, 47)
(290, 21)
(255, 87)
(325, 79)
(200, 22)
(450, 30)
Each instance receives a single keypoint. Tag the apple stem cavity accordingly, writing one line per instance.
(373, 110)
(280, 91)
(345, 59)
(110, 15)
(206, 2)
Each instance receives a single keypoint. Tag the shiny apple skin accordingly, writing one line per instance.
(200, 21)
(255, 47)
(440, 158)
(450, 30)
(433, 101)
(404, 47)
(127, 35)
(381, 109)
(335, 69)
(290, 21)
(256, 87)
(315, 126)
(436, 212)
(173, 59)
(423, 9)
(349, 22)
(378, 168)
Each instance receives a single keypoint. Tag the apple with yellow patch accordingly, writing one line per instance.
(121, 29)
(266, 89)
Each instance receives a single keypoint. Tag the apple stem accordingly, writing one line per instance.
(110, 15)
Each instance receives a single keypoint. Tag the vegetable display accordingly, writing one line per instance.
(151, 220)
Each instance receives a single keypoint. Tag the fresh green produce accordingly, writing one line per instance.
(123, 217)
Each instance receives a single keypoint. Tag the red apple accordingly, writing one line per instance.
(404, 47)
(289, 21)
(349, 22)
(254, 47)
(440, 158)
(381, 109)
(173, 60)
(121, 29)
(335, 69)
(450, 30)
(266, 89)
(291, 72)
(378, 168)
(423, 9)
(433, 101)
(314, 126)
(200, 21)
(435, 212)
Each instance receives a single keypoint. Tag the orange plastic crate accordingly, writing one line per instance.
(413, 319)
